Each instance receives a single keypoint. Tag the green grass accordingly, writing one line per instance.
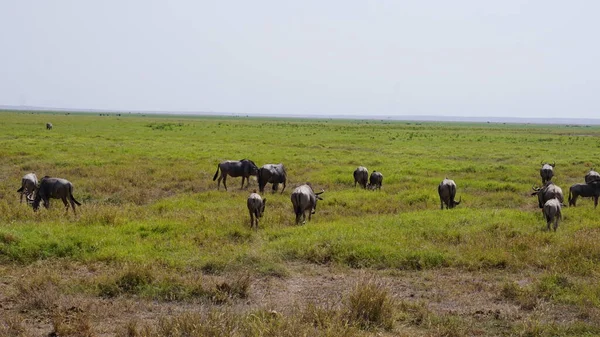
(148, 198)
(146, 184)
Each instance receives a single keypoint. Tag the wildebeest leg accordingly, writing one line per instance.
(64, 200)
(256, 219)
(243, 177)
(72, 206)
(283, 189)
(595, 201)
(556, 222)
(275, 186)
(224, 181)
(251, 218)
(441, 204)
(219, 182)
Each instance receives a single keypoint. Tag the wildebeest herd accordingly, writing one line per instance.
(304, 198)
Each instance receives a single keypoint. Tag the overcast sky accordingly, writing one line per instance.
(452, 58)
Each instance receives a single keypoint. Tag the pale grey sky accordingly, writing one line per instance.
(459, 58)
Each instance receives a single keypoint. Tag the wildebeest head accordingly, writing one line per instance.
(249, 166)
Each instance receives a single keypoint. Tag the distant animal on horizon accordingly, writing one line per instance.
(589, 190)
(48, 126)
(305, 199)
(244, 168)
(274, 174)
(552, 212)
(375, 181)
(547, 172)
(592, 176)
(256, 208)
(361, 176)
(29, 184)
(547, 192)
(55, 188)
(447, 192)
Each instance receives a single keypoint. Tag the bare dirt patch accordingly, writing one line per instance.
(474, 301)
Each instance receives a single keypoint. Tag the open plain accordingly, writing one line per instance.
(156, 250)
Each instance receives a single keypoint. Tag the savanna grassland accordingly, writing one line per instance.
(156, 250)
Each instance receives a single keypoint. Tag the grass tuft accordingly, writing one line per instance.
(370, 305)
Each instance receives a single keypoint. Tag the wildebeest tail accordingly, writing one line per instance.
(216, 173)
(297, 206)
(75, 201)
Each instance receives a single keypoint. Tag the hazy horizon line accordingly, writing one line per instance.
(416, 118)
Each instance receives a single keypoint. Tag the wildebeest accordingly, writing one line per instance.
(28, 185)
(547, 172)
(361, 176)
(547, 192)
(55, 188)
(592, 176)
(375, 180)
(552, 212)
(256, 207)
(304, 199)
(48, 126)
(447, 192)
(244, 168)
(584, 190)
(272, 173)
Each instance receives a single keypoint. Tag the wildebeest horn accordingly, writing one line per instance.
(320, 192)
(535, 188)
(553, 164)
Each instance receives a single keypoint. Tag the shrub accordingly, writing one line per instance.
(369, 305)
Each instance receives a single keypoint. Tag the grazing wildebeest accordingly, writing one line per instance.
(48, 126)
(361, 176)
(592, 176)
(256, 207)
(547, 172)
(244, 168)
(375, 180)
(447, 192)
(547, 192)
(552, 212)
(586, 191)
(55, 188)
(271, 173)
(305, 199)
(28, 185)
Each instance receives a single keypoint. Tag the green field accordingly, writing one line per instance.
(157, 240)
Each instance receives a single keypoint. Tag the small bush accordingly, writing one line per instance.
(11, 325)
(72, 322)
(237, 288)
(369, 305)
(133, 282)
(40, 292)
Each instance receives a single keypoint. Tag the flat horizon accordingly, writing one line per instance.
(408, 117)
